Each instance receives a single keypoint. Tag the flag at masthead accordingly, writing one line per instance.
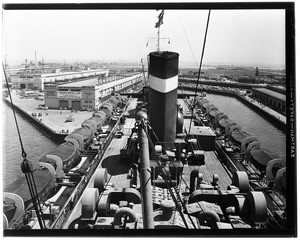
(160, 19)
(157, 25)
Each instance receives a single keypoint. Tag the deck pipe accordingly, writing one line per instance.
(193, 176)
(145, 172)
(163, 84)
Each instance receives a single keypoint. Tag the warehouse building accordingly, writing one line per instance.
(270, 98)
(87, 94)
(31, 83)
(37, 82)
(61, 76)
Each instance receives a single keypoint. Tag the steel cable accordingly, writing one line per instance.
(198, 203)
(26, 166)
(14, 112)
(199, 72)
(168, 180)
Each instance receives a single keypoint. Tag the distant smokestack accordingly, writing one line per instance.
(163, 83)
(35, 59)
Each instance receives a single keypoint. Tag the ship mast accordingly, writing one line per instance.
(157, 25)
(158, 37)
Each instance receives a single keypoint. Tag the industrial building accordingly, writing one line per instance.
(270, 98)
(87, 94)
(61, 76)
(31, 83)
(37, 82)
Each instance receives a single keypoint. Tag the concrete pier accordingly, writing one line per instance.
(53, 122)
(276, 118)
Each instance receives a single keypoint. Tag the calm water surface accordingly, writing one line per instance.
(36, 144)
(269, 136)
(34, 141)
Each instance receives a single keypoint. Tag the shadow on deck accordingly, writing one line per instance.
(114, 166)
(131, 112)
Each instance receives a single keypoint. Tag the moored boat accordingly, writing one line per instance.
(239, 135)
(260, 156)
(238, 144)
(49, 173)
(45, 183)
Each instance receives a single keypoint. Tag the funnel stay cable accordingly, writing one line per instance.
(199, 72)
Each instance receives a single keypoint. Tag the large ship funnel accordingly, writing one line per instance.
(163, 83)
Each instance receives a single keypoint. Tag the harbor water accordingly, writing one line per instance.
(270, 137)
(36, 144)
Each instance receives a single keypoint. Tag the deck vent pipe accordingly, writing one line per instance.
(167, 207)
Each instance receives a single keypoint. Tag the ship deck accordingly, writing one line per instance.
(118, 171)
(212, 166)
(53, 118)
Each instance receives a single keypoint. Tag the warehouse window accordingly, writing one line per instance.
(50, 93)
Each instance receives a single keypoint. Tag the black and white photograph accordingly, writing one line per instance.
(149, 119)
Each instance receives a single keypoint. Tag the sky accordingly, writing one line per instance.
(235, 37)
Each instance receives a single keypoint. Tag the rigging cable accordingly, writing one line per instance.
(192, 111)
(166, 177)
(14, 112)
(187, 40)
(181, 178)
(183, 204)
(168, 180)
(199, 72)
(168, 183)
(26, 166)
